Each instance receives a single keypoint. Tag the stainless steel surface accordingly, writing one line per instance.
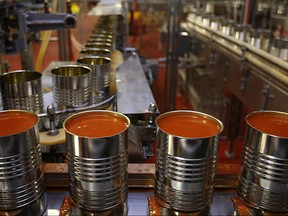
(108, 8)
(185, 166)
(21, 180)
(138, 202)
(22, 89)
(100, 76)
(121, 209)
(71, 86)
(134, 95)
(97, 166)
(263, 180)
(172, 54)
(247, 71)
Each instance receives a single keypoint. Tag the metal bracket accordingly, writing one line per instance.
(266, 95)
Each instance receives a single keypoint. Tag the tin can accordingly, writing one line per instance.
(263, 181)
(97, 159)
(71, 86)
(100, 69)
(21, 178)
(22, 89)
(186, 156)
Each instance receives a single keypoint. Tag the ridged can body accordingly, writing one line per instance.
(263, 181)
(97, 165)
(21, 178)
(22, 89)
(71, 86)
(185, 166)
(100, 69)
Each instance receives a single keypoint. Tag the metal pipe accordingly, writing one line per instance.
(79, 109)
(172, 54)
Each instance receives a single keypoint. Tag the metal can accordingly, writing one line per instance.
(100, 69)
(22, 89)
(263, 181)
(21, 178)
(71, 86)
(186, 156)
(97, 159)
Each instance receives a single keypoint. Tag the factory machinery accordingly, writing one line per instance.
(214, 52)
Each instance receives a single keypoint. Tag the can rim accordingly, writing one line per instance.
(202, 114)
(90, 60)
(8, 76)
(87, 70)
(261, 112)
(112, 113)
(21, 111)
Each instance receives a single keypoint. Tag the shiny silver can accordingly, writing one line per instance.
(186, 156)
(97, 159)
(21, 178)
(71, 86)
(100, 69)
(22, 89)
(263, 181)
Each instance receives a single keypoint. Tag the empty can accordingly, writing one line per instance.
(22, 89)
(100, 72)
(71, 86)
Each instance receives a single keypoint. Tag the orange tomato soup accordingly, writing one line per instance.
(271, 123)
(14, 122)
(189, 125)
(95, 125)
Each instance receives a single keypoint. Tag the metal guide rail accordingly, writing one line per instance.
(258, 78)
(241, 48)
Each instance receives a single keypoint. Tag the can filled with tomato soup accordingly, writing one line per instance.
(263, 181)
(21, 179)
(187, 147)
(97, 159)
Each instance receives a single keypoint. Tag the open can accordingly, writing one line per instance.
(263, 180)
(22, 89)
(186, 156)
(21, 179)
(97, 147)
